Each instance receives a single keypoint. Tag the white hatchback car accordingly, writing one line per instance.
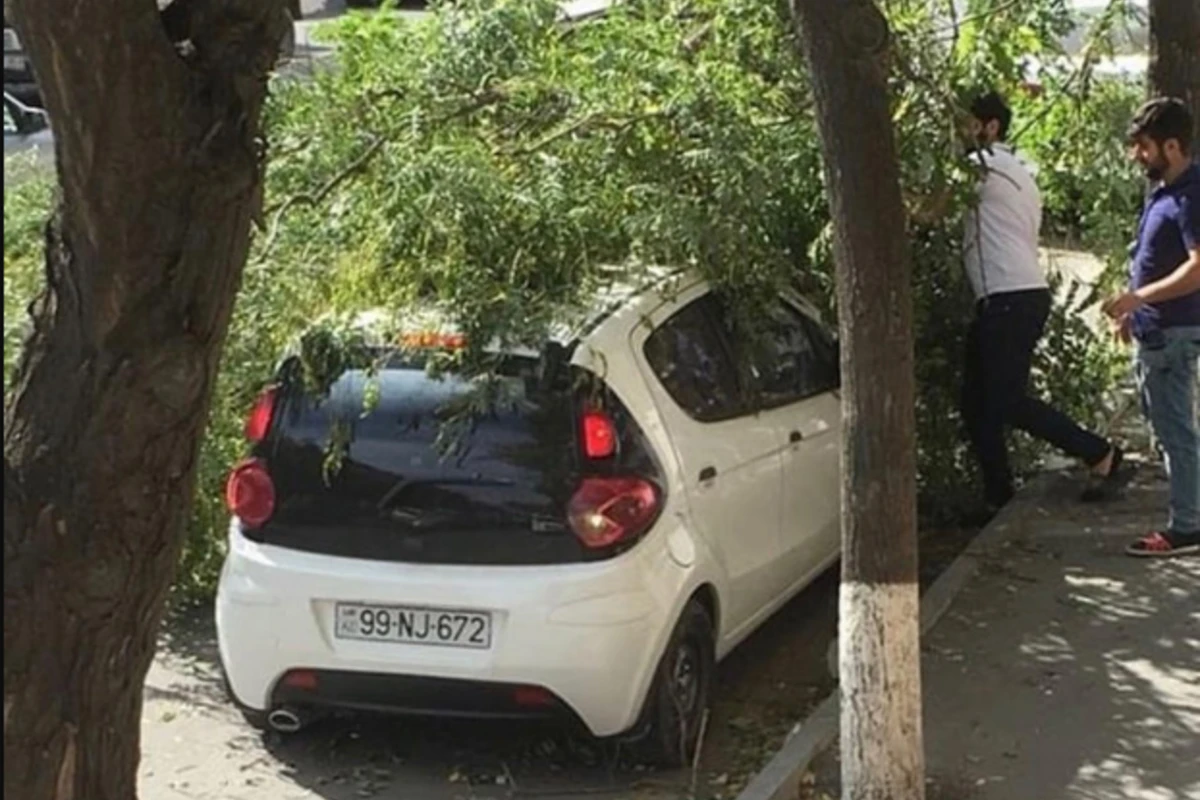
(634, 501)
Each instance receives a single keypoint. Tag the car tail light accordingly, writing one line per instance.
(606, 510)
(304, 679)
(599, 434)
(258, 424)
(250, 493)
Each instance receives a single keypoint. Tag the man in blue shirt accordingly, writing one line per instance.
(1161, 312)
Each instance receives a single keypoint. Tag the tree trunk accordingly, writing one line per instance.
(160, 171)
(847, 47)
(1175, 53)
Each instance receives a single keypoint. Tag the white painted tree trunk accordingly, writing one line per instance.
(879, 655)
(847, 46)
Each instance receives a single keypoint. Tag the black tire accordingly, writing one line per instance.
(669, 730)
(255, 719)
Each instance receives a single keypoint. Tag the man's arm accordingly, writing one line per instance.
(932, 206)
(928, 209)
(1184, 280)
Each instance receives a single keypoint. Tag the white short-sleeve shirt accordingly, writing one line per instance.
(1000, 236)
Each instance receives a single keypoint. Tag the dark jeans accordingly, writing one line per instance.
(1000, 348)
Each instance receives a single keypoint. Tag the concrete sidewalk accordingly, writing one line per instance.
(1065, 670)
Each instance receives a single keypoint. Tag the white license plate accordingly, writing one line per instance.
(410, 625)
(14, 63)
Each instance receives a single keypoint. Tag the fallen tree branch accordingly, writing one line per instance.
(583, 124)
(1090, 55)
(955, 26)
(486, 97)
(699, 749)
(312, 200)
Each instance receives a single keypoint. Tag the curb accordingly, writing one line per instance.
(780, 778)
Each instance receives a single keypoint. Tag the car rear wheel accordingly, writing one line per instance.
(671, 722)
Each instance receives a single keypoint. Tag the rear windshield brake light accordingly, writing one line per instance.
(599, 434)
(258, 423)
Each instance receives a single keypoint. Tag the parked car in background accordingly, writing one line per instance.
(624, 507)
(28, 141)
(18, 73)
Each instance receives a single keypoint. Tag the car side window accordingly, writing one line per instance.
(792, 357)
(829, 354)
(693, 363)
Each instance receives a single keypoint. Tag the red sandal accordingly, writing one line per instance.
(1165, 545)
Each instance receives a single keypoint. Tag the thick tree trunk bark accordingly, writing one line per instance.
(159, 163)
(1175, 53)
(847, 47)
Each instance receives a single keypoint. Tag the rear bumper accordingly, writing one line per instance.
(590, 634)
(407, 694)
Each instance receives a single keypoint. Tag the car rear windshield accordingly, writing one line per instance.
(440, 469)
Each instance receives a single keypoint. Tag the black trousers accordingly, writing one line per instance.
(1000, 346)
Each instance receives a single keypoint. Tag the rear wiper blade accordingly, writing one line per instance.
(422, 517)
(404, 485)
(433, 518)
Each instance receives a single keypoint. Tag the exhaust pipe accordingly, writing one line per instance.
(286, 719)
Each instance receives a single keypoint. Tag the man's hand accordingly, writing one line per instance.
(1121, 306)
(928, 209)
(1122, 329)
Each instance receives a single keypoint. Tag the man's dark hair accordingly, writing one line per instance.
(991, 106)
(1163, 119)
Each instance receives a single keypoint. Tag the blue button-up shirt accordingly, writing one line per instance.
(1169, 229)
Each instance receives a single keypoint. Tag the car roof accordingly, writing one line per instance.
(573, 323)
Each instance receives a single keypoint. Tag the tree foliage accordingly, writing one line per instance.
(497, 164)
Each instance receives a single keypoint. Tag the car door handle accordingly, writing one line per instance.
(795, 437)
(708, 474)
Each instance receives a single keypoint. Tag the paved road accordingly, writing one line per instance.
(1066, 670)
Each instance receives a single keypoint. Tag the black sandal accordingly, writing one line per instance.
(1109, 486)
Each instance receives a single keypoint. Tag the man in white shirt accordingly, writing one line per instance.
(1000, 254)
